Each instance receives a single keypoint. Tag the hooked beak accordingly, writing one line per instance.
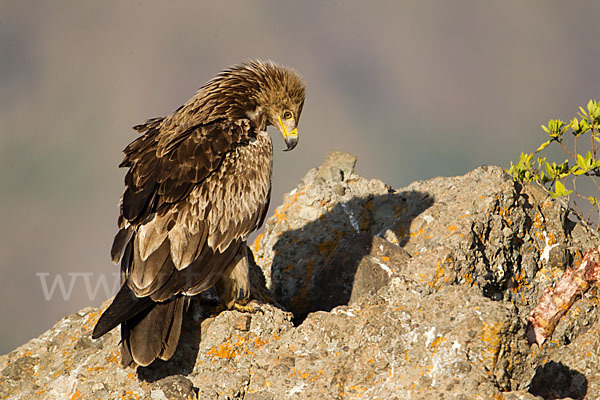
(290, 136)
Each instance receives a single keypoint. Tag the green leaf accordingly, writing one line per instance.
(545, 129)
(575, 124)
(595, 112)
(562, 169)
(560, 189)
(550, 170)
(543, 145)
(581, 161)
(591, 106)
(584, 125)
(541, 161)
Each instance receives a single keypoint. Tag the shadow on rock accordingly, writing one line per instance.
(554, 380)
(342, 255)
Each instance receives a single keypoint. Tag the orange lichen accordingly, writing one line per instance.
(436, 343)
(311, 377)
(42, 390)
(91, 320)
(551, 238)
(229, 350)
(385, 259)
(281, 210)
(357, 388)
(129, 394)
(439, 273)
(113, 356)
(76, 396)
(538, 220)
(224, 351)
(279, 215)
(520, 281)
(256, 245)
(417, 233)
(259, 342)
(504, 212)
(490, 334)
(468, 278)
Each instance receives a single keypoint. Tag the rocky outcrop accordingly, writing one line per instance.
(370, 292)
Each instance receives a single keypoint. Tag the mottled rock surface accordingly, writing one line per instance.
(377, 293)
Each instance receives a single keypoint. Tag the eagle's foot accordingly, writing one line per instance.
(251, 307)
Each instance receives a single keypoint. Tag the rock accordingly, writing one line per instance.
(367, 292)
(336, 167)
(324, 210)
(173, 387)
(359, 266)
(20, 368)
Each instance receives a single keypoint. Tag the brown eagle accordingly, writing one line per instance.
(199, 182)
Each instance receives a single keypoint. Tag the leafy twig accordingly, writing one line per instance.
(554, 175)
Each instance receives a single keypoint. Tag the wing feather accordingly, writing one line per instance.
(191, 203)
(146, 276)
(119, 244)
(150, 237)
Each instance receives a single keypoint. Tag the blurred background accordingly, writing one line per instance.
(416, 89)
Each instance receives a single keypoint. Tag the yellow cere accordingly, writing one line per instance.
(292, 133)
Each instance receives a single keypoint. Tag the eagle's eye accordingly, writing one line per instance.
(288, 114)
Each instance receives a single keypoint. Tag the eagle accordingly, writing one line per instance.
(198, 183)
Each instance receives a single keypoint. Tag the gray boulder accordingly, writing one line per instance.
(368, 292)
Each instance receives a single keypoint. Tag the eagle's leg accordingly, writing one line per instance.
(234, 285)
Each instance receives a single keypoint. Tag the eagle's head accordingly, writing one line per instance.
(279, 98)
(274, 95)
(283, 98)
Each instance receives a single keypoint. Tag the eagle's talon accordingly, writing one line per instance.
(248, 308)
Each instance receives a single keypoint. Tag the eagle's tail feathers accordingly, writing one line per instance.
(125, 306)
(153, 335)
